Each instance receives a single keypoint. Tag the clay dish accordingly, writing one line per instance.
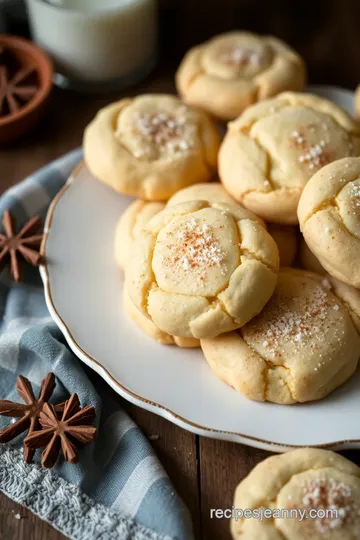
(25, 84)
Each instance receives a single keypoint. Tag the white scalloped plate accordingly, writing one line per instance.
(83, 289)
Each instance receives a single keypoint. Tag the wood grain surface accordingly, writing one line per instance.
(203, 471)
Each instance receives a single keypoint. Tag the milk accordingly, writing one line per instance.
(97, 41)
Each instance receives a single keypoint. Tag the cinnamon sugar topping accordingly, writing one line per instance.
(163, 133)
(198, 250)
(355, 194)
(298, 324)
(314, 155)
(329, 494)
(295, 322)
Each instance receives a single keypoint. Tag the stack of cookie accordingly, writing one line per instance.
(208, 245)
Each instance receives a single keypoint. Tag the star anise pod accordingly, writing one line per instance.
(14, 91)
(25, 243)
(62, 433)
(27, 413)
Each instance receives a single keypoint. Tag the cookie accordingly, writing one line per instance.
(329, 217)
(349, 296)
(231, 71)
(271, 151)
(286, 241)
(199, 269)
(285, 237)
(323, 485)
(147, 326)
(308, 261)
(151, 146)
(302, 346)
(129, 226)
(213, 192)
(206, 191)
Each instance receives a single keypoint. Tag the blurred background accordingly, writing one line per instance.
(324, 32)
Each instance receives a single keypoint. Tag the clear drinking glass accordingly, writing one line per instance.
(96, 45)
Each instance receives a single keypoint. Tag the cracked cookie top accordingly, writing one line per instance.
(271, 151)
(158, 129)
(299, 348)
(285, 237)
(130, 226)
(329, 217)
(148, 327)
(208, 191)
(199, 269)
(231, 71)
(151, 146)
(323, 485)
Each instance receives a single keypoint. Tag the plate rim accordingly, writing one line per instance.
(128, 394)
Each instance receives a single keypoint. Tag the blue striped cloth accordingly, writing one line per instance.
(118, 489)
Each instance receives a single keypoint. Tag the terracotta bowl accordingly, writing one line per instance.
(19, 116)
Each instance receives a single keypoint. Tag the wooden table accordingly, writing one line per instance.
(204, 471)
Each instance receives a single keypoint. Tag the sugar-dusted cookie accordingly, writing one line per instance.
(151, 146)
(199, 269)
(349, 296)
(323, 485)
(302, 346)
(329, 217)
(231, 71)
(271, 151)
(286, 240)
(147, 326)
(308, 261)
(129, 226)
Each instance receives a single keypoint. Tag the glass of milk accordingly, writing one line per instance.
(96, 45)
